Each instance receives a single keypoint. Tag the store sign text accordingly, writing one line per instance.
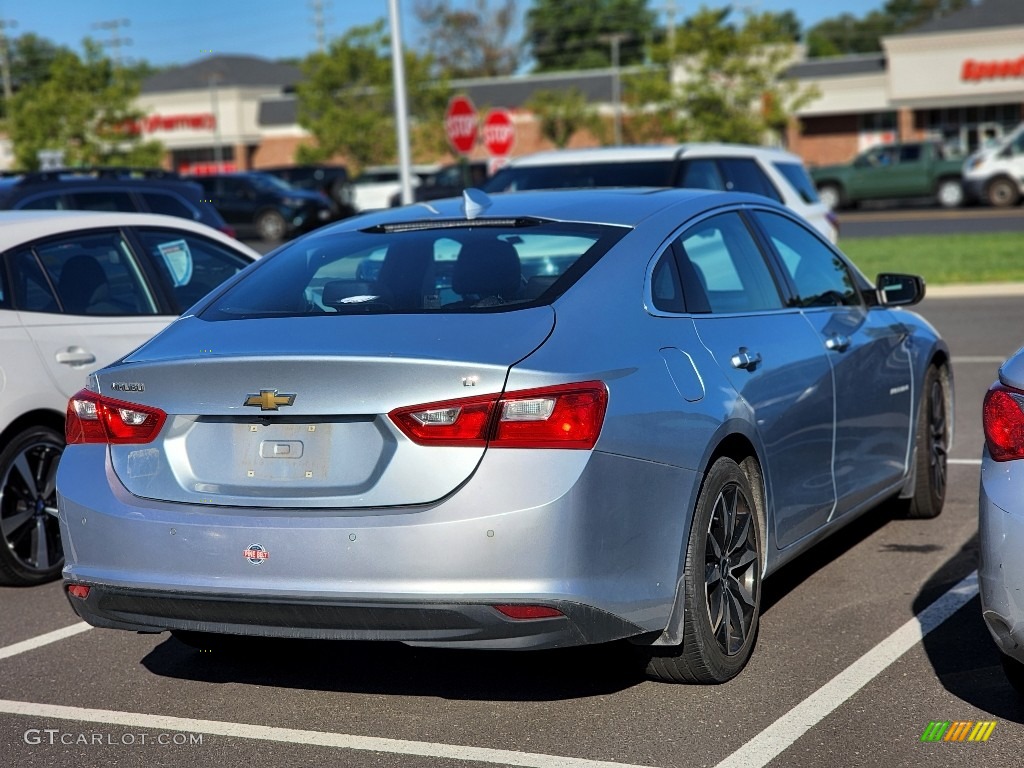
(975, 71)
(200, 121)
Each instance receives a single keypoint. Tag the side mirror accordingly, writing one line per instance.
(898, 290)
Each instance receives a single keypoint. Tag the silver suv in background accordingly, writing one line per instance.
(773, 173)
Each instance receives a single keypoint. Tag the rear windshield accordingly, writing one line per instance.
(647, 173)
(496, 267)
(797, 176)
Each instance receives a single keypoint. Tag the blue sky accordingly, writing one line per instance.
(179, 31)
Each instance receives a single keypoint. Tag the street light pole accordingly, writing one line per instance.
(616, 40)
(401, 110)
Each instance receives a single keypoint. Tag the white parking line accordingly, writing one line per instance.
(969, 462)
(292, 736)
(774, 739)
(37, 642)
(985, 359)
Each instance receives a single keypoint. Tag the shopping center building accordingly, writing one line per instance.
(959, 78)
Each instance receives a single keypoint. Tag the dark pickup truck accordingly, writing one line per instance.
(888, 171)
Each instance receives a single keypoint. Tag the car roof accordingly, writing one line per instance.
(648, 152)
(17, 227)
(621, 206)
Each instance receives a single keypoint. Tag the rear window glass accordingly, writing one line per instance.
(437, 270)
(648, 173)
(797, 176)
(743, 174)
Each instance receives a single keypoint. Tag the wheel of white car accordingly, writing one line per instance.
(722, 584)
(1002, 193)
(950, 193)
(31, 551)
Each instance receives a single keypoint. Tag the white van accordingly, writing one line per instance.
(770, 172)
(995, 174)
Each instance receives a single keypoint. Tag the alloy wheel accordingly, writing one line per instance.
(28, 506)
(730, 569)
(937, 437)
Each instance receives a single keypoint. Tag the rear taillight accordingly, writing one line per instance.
(528, 612)
(563, 416)
(93, 418)
(1003, 421)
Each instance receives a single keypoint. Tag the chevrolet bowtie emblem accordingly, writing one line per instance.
(268, 400)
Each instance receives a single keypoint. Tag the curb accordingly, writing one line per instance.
(973, 290)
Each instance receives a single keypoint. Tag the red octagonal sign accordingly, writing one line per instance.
(460, 123)
(499, 132)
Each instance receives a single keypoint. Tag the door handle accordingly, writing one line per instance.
(837, 343)
(744, 359)
(75, 356)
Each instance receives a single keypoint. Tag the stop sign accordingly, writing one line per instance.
(499, 132)
(460, 124)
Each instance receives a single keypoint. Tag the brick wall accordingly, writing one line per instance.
(824, 140)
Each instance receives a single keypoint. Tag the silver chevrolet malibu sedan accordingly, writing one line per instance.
(1001, 517)
(526, 421)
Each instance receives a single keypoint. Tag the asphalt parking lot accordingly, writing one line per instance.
(841, 673)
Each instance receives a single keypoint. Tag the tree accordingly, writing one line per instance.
(579, 35)
(82, 106)
(562, 114)
(846, 34)
(730, 84)
(346, 100)
(469, 42)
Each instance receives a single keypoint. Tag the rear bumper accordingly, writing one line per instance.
(449, 624)
(597, 536)
(1001, 540)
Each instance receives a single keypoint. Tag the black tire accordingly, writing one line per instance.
(720, 618)
(1002, 193)
(30, 550)
(832, 195)
(271, 226)
(1014, 671)
(931, 445)
(949, 193)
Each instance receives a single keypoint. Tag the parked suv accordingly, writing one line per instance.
(261, 204)
(769, 172)
(995, 174)
(331, 180)
(129, 190)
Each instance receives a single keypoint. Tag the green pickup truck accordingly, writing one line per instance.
(887, 171)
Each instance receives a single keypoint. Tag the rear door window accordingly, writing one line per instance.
(744, 174)
(103, 200)
(53, 202)
(642, 173)
(32, 291)
(701, 173)
(160, 202)
(799, 179)
(96, 274)
(724, 265)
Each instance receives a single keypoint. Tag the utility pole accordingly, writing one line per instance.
(5, 62)
(401, 111)
(616, 40)
(319, 24)
(670, 11)
(115, 42)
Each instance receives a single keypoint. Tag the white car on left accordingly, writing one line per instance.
(79, 290)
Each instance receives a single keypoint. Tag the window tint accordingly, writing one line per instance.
(744, 174)
(158, 202)
(820, 276)
(101, 200)
(96, 274)
(701, 173)
(191, 264)
(648, 173)
(32, 291)
(666, 289)
(910, 153)
(435, 270)
(42, 203)
(798, 177)
(724, 265)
